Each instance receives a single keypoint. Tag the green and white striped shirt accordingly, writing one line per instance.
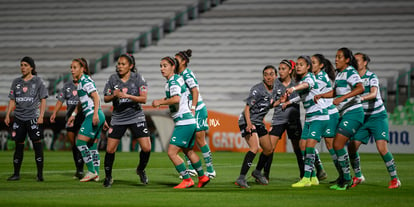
(314, 111)
(373, 106)
(180, 112)
(85, 87)
(345, 81)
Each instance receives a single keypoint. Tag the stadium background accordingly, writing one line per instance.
(231, 40)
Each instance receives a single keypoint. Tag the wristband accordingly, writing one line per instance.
(193, 107)
(73, 114)
(293, 88)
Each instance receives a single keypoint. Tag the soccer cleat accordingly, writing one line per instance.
(394, 183)
(96, 179)
(192, 172)
(89, 176)
(357, 180)
(14, 177)
(142, 176)
(108, 182)
(304, 182)
(186, 183)
(259, 177)
(314, 181)
(322, 175)
(242, 183)
(39, 178)
(202, 181)
(344, 185)
(211, 175)
(78, 175)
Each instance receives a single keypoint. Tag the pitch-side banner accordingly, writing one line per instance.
(401, 140)
(224, 134)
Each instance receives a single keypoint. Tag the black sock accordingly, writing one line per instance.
(267, 166)
(18, 158)
(38, 148)
(262, 161)
(143, 160)
(317, 162)
(109, 161)
(301, 162)
(77, 158)
(247, 162)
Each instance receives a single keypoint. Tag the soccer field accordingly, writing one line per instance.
(59, 189)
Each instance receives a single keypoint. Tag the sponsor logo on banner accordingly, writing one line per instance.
(399, 141)
(224, 134)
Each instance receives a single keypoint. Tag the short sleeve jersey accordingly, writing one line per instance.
(27, 95)
(373, 106)
(345, 81)
(69, 94)
(85, 87)
(291, 112)
(325, 85)
(191, 82)
(125, 110)
(314, 111)
(259, 101)
(180, 112)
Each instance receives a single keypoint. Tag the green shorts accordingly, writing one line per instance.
(87, 128)
(314, 129)
(201, 119)
(331, 126)
(183, 136)
(350, 122)
(375, 126)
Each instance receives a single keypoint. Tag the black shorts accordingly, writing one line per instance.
(79, 118)
(260, 129)
(293, 129)
(22, 128)
(138, 130)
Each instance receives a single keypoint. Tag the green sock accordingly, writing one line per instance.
(190, 167)
(343, 160)
(335, 160)
(389, 163)
(355, 163)
(182, 170)
(199, 168)
(96, 158)
(309, 162)
(207, 158)
(86, 154)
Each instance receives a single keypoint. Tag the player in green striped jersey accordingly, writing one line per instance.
(90, 130)
(375, 124)
(183, 136)
(325, 73)
(316, 117)
(199, 110)
(347, 87)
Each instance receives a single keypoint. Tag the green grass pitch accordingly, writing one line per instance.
(59, 188)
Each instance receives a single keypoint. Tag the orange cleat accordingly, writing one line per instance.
(186, 183)
(394, 183)
(202, 181)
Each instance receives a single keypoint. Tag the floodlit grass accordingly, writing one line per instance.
(59, 189)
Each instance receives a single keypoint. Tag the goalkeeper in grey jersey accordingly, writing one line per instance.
(28, 94)
(127, 89)
(253, 129)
